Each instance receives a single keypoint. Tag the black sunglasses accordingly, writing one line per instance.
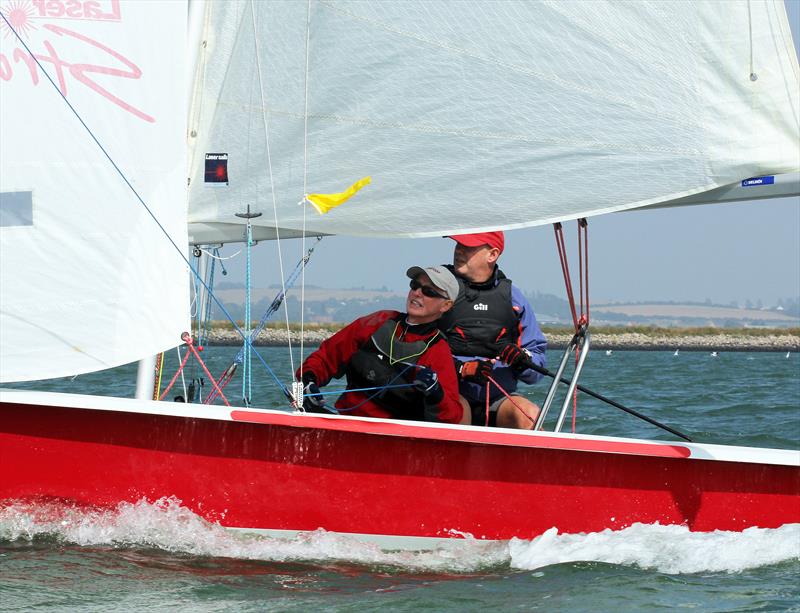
(426, 290)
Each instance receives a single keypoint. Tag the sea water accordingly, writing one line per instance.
(161, 556)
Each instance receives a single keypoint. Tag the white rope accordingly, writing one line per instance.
(265, 121)
(183, 379)
(193, 305)
(305, 188)
(753, 75)
(219, 257)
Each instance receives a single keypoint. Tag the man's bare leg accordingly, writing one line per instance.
(509, 416)
(466, 417)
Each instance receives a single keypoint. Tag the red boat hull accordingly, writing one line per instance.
(276, 471)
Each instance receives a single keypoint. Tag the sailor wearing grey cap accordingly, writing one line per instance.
(398, 365)
(431, 282)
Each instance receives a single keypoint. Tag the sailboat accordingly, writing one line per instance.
(131, 130)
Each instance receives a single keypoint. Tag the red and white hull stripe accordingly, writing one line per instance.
(403, 484)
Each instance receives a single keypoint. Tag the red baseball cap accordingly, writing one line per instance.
(493, 239)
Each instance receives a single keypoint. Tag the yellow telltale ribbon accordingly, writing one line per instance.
(325, 202)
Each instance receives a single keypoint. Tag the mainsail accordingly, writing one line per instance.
(467, 115)
(485, 115)
(87, 278)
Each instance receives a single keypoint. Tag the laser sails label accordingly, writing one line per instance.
(216, 174)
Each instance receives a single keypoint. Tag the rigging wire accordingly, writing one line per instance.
(580, 322)
(265, 122)
(202, 316)
(305, 183)
(227, 375)
(139, 198)
(247, 372)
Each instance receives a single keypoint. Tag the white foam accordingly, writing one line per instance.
(668, 549)
(168, 526)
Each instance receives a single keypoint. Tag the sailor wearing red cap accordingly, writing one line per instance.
(492, 332)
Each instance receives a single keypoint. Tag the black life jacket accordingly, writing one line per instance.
(482, 318)
(382, 361)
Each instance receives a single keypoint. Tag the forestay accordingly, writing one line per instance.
(482, 115)
(87, 279)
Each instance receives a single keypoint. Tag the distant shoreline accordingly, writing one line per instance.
(724, 340)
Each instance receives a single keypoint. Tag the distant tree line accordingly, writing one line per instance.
(549, 309)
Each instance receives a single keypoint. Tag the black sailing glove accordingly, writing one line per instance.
(427, 382)
(313, 401)
(516, 357)
(474, 371)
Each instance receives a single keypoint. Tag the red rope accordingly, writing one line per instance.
(172, 382)
(562, 256)
(507, 395)
(487, 404)
(583, 263)
(186, 338)
(583, 287)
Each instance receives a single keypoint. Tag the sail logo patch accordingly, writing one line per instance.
(758, 181)
(216, 169)
(100, 10)
(64, 35)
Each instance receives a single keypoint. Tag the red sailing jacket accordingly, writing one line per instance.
(333, 355)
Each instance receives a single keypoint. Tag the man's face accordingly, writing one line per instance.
(474, 263)
(422, 308)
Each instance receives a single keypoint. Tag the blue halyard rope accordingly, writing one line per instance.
(207, 313)
(246, 374)
(367, 389)
(276, 302)
(142, 202)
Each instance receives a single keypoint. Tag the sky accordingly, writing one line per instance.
(725, 253)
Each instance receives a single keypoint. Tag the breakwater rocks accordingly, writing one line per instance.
(727, 341)
(705, 342)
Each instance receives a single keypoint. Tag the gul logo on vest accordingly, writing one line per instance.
(481, 307)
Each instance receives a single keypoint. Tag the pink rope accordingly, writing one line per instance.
(186, 338)
(172, 382)
(507, 395)
(487, 404)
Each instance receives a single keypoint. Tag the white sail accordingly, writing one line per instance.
(87, 279)
(484, 115)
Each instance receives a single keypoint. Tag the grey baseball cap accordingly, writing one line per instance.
(439, 276)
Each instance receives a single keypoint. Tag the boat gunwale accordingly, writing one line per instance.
(409, 429)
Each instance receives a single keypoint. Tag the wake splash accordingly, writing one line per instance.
(667, 549)
(171, 527)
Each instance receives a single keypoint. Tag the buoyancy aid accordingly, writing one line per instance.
(385, 360)
(482, 318)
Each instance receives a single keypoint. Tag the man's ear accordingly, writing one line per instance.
(492, 255)
(446, 306)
